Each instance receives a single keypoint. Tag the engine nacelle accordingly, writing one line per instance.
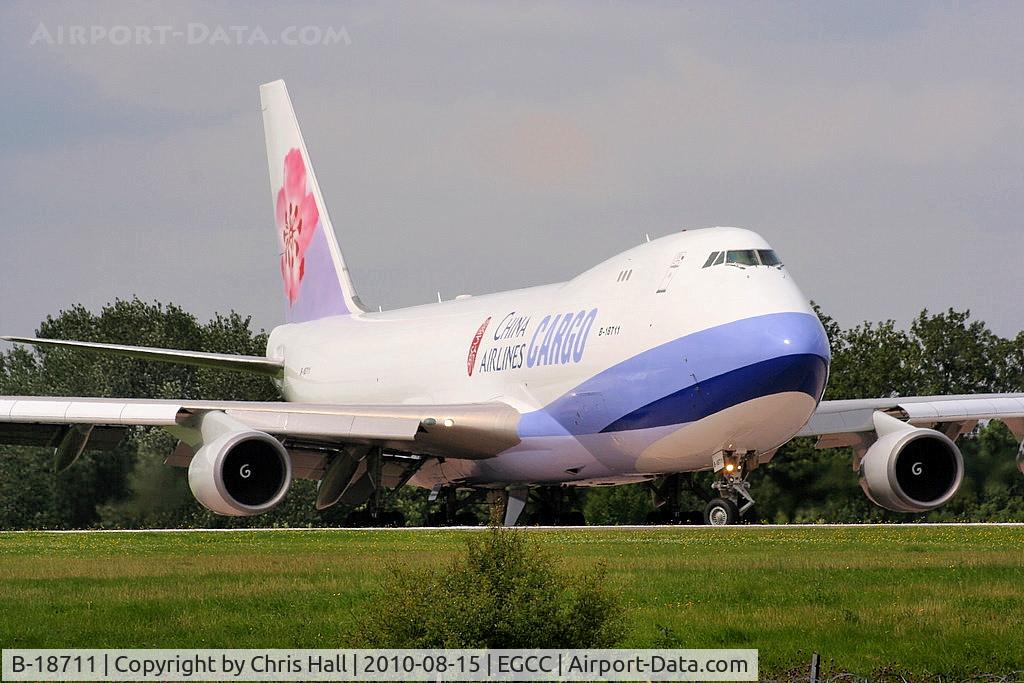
(910, 469)
(238, 471)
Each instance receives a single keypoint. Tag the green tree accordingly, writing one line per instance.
(128, 478)
(872, 361)
(954, 355)
(629, 504)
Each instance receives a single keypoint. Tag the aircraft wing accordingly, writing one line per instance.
(221, 361)
(851, 422)
(466, 431)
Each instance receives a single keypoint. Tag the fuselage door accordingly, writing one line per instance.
(677, 261)
(591, 413)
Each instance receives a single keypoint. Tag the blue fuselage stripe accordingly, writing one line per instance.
(692, 377)
(804, 373)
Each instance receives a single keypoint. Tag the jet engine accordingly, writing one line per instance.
(910, 469)
(238, 471)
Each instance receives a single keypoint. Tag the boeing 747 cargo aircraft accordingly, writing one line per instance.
(692, 352)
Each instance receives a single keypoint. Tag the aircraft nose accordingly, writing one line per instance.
(801, 349)
(805, 334)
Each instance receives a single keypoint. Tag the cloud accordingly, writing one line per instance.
(486, 146)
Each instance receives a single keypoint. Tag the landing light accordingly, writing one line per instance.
(730, 467)
(449, 422)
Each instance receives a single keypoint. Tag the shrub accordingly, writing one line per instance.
(505, 592)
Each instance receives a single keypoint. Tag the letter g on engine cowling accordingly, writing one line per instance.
(910, 469)
(238, 471)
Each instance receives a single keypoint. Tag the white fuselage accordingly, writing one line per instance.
(645, 364)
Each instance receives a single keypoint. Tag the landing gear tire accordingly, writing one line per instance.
(364, 519)
(358, 519)
(572, 519)
(466, 519)
(659, 516)
(721, 512)
(391, 518)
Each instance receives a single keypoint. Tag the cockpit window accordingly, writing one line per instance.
(769, 257)
(746, 257)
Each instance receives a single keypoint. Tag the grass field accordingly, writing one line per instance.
(928, 600)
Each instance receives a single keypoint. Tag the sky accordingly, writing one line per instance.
(477, 147)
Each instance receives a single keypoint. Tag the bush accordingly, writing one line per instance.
(506, 592)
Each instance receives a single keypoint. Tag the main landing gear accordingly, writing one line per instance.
(364, 479)
(733, 489)
(550, 506)
(457, 508)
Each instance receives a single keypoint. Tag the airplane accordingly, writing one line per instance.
(693, 352)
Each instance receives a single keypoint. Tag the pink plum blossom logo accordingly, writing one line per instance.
(297, 217)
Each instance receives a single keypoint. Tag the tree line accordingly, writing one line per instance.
(130, 487)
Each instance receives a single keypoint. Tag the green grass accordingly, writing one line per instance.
(926, 600)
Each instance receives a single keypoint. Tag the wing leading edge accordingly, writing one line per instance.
(259, 365)
(847, 422)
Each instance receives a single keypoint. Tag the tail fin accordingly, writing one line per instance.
(316, 281)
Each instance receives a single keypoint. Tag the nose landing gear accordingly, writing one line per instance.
(733, 489)
(721, 512)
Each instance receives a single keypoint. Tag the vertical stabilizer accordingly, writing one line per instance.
(316, 281)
